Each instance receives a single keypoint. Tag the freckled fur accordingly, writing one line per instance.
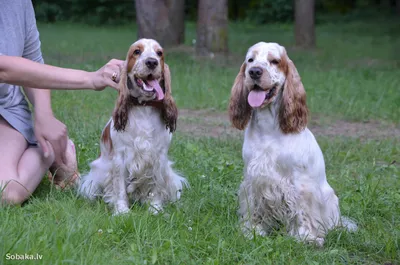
(239, 108)
(134, 164)
(106, 138)
(284, 182)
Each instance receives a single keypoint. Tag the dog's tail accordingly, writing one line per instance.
(91, 184)
(176, 182)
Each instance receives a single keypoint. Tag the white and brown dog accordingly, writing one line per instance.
(133, 164)
(284, 176)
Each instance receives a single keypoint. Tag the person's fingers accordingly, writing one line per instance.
(116, 61)
(62, 142)
(120, 68)
(109, 75)
(59, 147)
(123, 65)
(112, 84)
(43, 144)
(114, 73)
(49, 147)
(57, 151)
(63, 145)
(118, 75)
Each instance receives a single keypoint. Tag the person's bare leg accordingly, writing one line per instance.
(21, 168)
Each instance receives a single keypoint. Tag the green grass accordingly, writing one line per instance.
(202, 228)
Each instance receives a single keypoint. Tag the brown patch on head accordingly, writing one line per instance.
(106, 137)
(125, 102)
(160, 53)
(293, 112)
(120, 114)
(283, 63)
(133, 54)
(239, 108)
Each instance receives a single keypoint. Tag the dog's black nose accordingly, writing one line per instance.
(151, 63)
(255, 72)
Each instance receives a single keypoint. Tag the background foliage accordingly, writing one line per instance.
(93, 12)
(100, 12)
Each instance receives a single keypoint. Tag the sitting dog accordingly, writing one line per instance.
(284, 177)
(133, 164)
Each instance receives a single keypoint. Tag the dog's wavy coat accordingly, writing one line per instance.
(133, 164)
(284, 177)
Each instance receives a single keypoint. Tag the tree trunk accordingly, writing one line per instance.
(161, 20)
(212, 27)
(305, 23)
(385, 4)
(398, 7)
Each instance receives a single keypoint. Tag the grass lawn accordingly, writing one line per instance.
(354, 75)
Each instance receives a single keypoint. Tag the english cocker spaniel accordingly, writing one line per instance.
(284, 170)
(133, 164)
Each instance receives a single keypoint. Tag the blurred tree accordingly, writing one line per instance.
(269, 11)
(237, 9)
(304, 16)
(212, 27)
(161, 20)
(93, 12)
(398, 7)
(385, 4)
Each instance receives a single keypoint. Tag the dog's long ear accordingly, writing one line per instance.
(169, 110)
(239, 108)
(293, 112)
(120, 114)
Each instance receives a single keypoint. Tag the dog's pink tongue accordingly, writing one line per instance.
(154, 84)
(256, 98)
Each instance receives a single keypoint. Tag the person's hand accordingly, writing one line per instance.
(108, 75)
(50, 131)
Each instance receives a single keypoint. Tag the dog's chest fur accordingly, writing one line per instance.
(143, 148)
(269, 178)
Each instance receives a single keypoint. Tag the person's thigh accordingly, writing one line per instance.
(12, 146)
(21, 167)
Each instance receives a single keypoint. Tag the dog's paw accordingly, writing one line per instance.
(349, 224)
(319, 242)
(120, 210)
(249, 230)
(155, 208)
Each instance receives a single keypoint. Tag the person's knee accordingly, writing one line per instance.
(49, 160)
(13, 193)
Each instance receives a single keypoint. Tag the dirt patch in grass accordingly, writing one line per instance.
(213, 123)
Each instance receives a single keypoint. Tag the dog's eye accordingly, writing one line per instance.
(275, 62)
(137, 52)
(159, 53)
(250, 60)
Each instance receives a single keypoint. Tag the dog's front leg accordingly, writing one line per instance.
(121, 202)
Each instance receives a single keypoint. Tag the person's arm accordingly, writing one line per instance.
(47, 128)
(26, 73)
(49, 132)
